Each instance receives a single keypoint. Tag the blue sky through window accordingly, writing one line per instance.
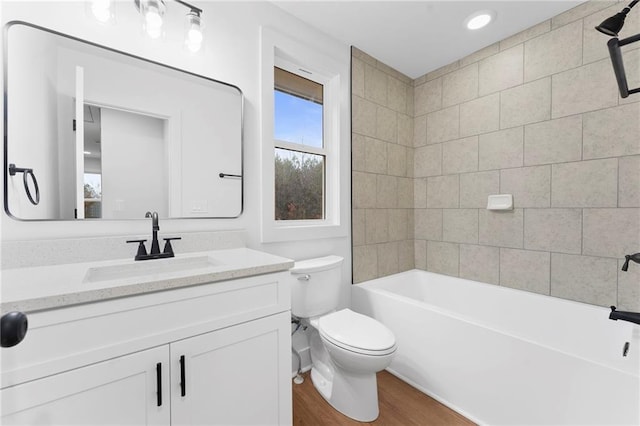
(297, 120)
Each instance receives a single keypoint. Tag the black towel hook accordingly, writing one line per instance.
(25, 179)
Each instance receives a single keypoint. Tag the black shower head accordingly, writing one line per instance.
(612, 26)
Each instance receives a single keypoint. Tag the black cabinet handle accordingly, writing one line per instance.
(183, 380)
(13, 328)
(159, 381)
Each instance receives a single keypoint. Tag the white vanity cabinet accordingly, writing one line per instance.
(219, 353)
(118, 391)
(233, 376)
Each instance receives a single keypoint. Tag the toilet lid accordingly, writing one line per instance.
(353, 330)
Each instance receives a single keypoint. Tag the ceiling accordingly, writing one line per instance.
(416, 37)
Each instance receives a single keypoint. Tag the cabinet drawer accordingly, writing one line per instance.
(67, 338)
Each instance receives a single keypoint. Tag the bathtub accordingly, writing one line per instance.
(503, 356)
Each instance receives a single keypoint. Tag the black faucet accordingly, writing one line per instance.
(635, 257)
(624, 316)
(155, 247)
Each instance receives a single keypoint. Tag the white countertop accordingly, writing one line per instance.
(50, 287)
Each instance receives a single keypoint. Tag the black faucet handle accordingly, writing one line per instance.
(634, 257)
(142, 250)
(168, 248)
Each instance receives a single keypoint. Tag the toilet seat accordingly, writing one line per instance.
(356, 333)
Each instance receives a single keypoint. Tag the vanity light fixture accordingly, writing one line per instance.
(479, 19)
(152, 12)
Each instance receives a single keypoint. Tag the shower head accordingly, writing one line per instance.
(612, 26)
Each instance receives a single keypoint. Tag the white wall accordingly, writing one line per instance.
(231, 54)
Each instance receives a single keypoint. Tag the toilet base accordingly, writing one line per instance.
(354, 396)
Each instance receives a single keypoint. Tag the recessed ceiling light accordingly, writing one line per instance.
(479, 19)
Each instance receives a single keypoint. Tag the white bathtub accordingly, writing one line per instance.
(504, 356)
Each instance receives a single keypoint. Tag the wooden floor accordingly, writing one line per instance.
(400, 404)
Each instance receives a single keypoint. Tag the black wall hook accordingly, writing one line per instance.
(25, 179)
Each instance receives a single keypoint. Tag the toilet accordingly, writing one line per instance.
(347, 348)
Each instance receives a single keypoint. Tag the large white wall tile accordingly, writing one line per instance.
(428, 224)
(553, 52)
(587, 88)
(442, 192)
(501, 71)
(442, 258)
(476, 187)
(460, 86)
(529, 103)
(629, 181)
(460, 155)
(428, 97)
(554, 141)
(611, 232)
(501, 228)
(480, 263)
(481, 115)
(502, 149)
(584, 279)
(612, 132)
(525, 270)
(585, 184)
(443, 125)
(460, 225)
(557, 230)
(530, 186)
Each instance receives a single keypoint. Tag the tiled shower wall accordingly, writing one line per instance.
(538, 116)
(382, 164)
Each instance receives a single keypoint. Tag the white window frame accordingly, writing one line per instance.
(283, 52)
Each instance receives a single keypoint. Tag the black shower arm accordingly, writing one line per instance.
(618, 65)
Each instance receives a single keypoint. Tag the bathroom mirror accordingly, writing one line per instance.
(100, 134)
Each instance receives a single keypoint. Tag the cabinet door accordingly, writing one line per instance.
(120, 391)
(235, 376)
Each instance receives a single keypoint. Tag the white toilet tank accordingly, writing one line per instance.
(315, 286)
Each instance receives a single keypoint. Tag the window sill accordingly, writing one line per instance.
(301, 230)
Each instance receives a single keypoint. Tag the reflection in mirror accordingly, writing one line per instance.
(130, 140)
(144, 136)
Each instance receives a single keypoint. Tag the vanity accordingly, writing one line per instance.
(202, 338)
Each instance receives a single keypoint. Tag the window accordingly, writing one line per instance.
(299, 154)
(305, 150)
(92, 195)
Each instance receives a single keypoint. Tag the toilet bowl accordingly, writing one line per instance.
(347, 348)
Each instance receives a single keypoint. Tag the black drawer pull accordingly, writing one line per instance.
(159, 381)
(13, 328)
(183, 380)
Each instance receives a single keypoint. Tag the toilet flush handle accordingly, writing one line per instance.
(304, 277)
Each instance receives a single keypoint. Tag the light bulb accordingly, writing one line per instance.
(153, 22)
(194, 37)
(101, 9)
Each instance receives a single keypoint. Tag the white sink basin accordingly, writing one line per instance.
(148, 267)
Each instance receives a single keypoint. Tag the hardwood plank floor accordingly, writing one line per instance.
(400, 404)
